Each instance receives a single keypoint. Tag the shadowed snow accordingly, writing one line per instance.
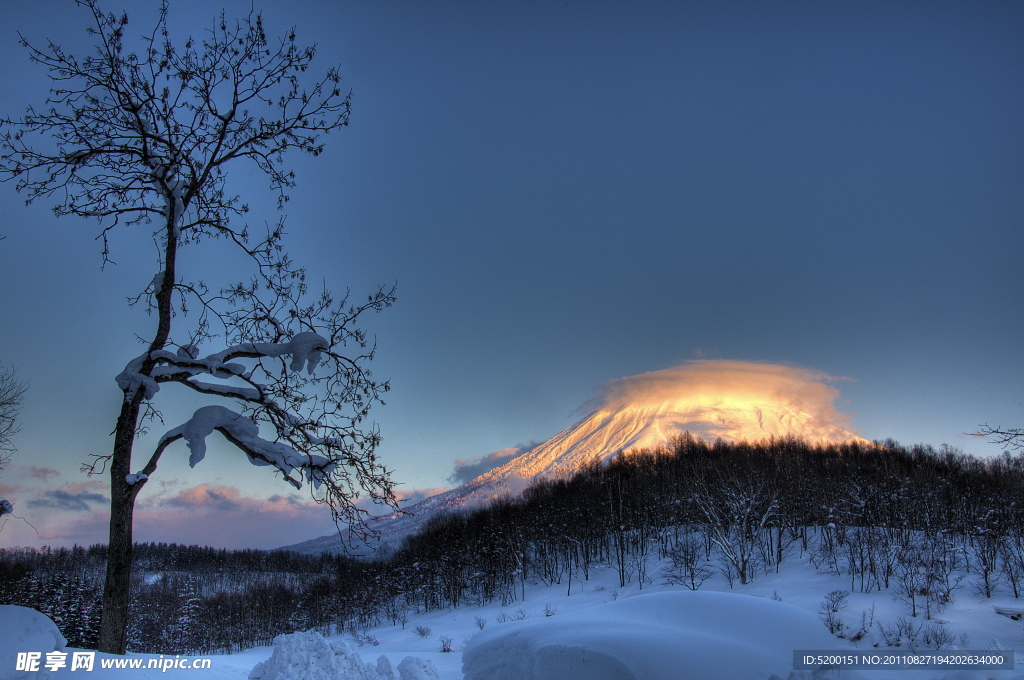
(661, 636)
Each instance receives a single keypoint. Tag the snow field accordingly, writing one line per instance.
(663, 640)
(798, 584)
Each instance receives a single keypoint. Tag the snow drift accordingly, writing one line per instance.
(309, 656)
(660, 636)
(26, 630)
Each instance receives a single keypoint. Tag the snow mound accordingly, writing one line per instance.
(415, 668)
(26, 630)
(309, 656)
(660, 636)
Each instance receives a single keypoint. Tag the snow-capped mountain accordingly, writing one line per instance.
(603, 434)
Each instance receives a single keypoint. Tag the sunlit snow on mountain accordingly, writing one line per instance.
(710, 399)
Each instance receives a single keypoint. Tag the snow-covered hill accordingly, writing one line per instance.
(630, 420)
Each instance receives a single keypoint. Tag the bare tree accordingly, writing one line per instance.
(12, 393)
(736, 508)
(1011, 436)
(142, 140)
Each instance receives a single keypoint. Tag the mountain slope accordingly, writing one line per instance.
(602, 435)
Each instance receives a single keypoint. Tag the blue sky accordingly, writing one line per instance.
(567, 193)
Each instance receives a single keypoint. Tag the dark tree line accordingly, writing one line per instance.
(871, 512)
(913, 521)
(184, 599)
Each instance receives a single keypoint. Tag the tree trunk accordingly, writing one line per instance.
(114, 619)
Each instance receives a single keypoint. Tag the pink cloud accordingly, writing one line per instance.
(77, 487)
(221, 516)
(206, 514)
(39, 472)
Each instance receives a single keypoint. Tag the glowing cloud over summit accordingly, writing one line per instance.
(726, 383)
(711, 399)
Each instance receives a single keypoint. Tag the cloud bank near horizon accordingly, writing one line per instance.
(710, 381)
(199, 514)
(466, 470)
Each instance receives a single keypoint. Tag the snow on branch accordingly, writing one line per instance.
(131, 379)
(245, 434)
(304, 349)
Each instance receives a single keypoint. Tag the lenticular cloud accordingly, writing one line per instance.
(714, 383)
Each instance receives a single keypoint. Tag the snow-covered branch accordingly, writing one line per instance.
(245, 434)
(304, 349)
